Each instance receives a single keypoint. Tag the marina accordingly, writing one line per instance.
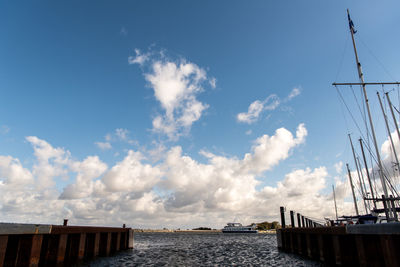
(370, 238)
(151, 124)
(347, 245)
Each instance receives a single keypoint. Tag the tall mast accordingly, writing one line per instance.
(367, 171)
(361, 76)
(352, 189)
(388, 131)
(363, 185)
(394, 117)
(358, 173)
(334, 199)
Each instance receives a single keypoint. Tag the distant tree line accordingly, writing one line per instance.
(202, 228)
(268, 225)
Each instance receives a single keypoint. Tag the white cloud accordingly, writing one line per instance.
(122, 133)
(176, 191)
(339, 167)
(175, 85)
(103, 145)
(131, 175)
(119, 134)
(270, 103)
(295, 92)
(51, 162)
(213, 82)
(12, 172)
(253, 112)
(140, 58)
(255, 109)
(87, 170)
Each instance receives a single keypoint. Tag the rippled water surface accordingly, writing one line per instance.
(203, 249)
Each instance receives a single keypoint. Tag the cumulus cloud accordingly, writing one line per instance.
(176, 86)
(87, 170)
(175, 191)
(12, 172)
(131, 175)
(257, 107)
(51, 162)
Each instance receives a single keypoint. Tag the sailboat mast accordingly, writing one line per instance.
(334, 199)
(388, 131)
(367, 171)
(394, 117)
(358, 173)
(352, 189)
(361, 76)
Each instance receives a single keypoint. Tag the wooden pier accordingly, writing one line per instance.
(350, 245)
(59, 245)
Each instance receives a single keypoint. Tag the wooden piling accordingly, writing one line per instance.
(3, 247)
(58, 245)
(292, 218)
(35, 250)
(351, 245)
(282, 209)
(298, 220)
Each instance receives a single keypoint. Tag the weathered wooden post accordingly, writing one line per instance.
(62, 246)
(3, 247)
(283, 217)
(292, 218)
(298, 220)
(302, 221)
(385, 208)
(130, 234)
(393, 208)
(65, 222)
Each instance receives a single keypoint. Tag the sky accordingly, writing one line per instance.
(183, 114)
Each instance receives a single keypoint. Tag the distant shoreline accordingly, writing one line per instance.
(192, 231)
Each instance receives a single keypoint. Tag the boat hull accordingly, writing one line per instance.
(240, 232)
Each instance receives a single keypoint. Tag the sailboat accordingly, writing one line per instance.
(389, 200)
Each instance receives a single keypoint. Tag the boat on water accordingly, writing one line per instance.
(239, 228)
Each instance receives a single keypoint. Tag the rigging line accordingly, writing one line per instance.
(374, 183)
(394, 192)
(398, 98)
(341, 60)
(396, 109)
(376, 58)
(348, 109)
(358, 105)
(384, 171)
(344, 117)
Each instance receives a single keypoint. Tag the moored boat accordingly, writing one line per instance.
(239, 228)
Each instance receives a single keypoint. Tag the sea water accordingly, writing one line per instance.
(203, 249)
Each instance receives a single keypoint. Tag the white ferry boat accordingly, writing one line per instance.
(239, 228)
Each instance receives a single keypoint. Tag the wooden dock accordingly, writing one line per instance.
(59, 245)
(350, 245)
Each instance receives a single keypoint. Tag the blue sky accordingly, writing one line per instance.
(72, 77)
